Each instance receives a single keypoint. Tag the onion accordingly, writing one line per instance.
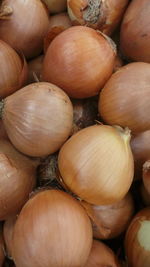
(79, 60)
(38, 118)
(56, 6)
(23, 25)
(97, 165)
(35, 69)
(54, 226)
(145, 195)
(137, 240)
(2, 256)
(58, 23)
(124, 100)
(135, 38)
(98, 14)
(111, 220)
(8, 235)
(13, 70)
(101, 255)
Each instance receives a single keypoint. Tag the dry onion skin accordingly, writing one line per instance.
(103, 15)
(8, 229)
(97, 164)
(56, 6)
(124, 99)
(79, 60)
(23, 25)
(35, 69)
(134, 36)
(38, 118)
(53, 225)
(13, 70)
(137, 240)
(111, 220)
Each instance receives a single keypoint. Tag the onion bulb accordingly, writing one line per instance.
(80, 60)
(134, 37)
(23, 25)
(97, 164)
(124, 100)
(137, 240)
(56, 6)
(98, 14)
(53, 225)
(38, 118)
(35, 69)
(111, 220)
(8, 235)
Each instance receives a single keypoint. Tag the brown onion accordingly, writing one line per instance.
(111, 220)
(13, 70)
(124, 99)
(97, 164)
(137, 240)
(101, 256)
(146, 175)
(98, 14)
(53, 225)
(79, 60)
(35, 69)
(23, 25)
(58, 23)
(56, 6)
(135, 38)
(38, 118)
(8, 235)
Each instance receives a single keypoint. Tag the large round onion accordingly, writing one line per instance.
(97, 164)
(52, 230)
(79, 60)
(124, 99)
(135, 37)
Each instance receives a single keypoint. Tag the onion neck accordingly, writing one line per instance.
(5, 11)
(124, 133)
(1, 108)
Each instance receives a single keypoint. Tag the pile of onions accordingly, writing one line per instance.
(22, 29)
(13, 70)
(8, 235)
(111, 220)
(37, 118)
(80, 60)
(137, 240)
(35, 69)
(102, 15)
(56, 6)
(135, 38)
(58, 23)
(52, 230)
(97, 164)
(17, 179)
(124, 100)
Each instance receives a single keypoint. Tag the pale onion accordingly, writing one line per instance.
(38, 118)
(35, 69)
(111, 220)
(53, 230)
(134, 37)
(137, 240)
(118, 63)
(124, 99)
(56, 6)
(58, 23)
(8, 229)
(79, 60)
(17, 179)
(2, 246)
(13, 70)
(101, 256)
(97, 164)
(103, 15)
(23, 25)
(145, 196)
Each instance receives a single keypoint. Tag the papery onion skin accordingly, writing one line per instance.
(54, 225)
(97, 164)
(38, 119)
(79, 60)
(124, 100)
(134, 36)
(56, 6)
(8, 229)
(23, 25)
(137, 238)
(35, 69)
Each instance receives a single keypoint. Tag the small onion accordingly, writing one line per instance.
(79, 60)
(38, 118)
(97, 164)
(8, 235)
(135, 37)
(13, 70)
(124, 99)
(111, 220)
(35, 69)
(98, 14)
(23, 25)
(146, 175)
(52, 230)
(56, 6)
(137, 240)
(58, 23)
